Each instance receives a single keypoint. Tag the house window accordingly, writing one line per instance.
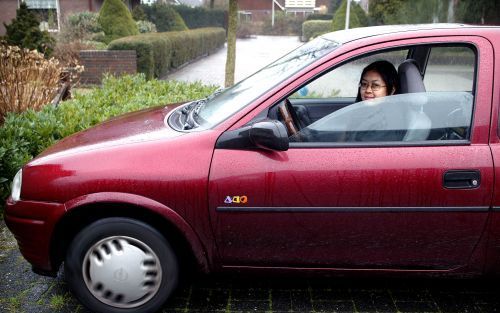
(48, 12)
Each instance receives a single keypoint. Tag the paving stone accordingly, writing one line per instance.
(209, 299)
(333, 306)
(416, 306)
(250, 306)
(252, 294)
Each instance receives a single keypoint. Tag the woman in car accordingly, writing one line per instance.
(378, 79)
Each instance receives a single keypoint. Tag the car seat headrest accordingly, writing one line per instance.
(410, 80)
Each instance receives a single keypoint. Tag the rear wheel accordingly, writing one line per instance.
(121, 265)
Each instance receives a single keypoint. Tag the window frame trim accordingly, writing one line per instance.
(462, 142)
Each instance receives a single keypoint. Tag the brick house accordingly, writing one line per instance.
(52, 12)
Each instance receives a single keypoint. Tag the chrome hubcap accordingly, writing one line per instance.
(122, 272)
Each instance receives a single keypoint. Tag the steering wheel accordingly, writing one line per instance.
(455, 117)
(289, 116)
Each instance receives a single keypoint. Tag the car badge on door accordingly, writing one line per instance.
(236, 199)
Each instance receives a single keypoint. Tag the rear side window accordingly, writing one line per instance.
(450, 69)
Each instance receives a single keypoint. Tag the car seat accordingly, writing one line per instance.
(410, 81)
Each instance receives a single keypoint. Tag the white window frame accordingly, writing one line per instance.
(57, 7)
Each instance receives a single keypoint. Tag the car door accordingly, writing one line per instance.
(367, 205)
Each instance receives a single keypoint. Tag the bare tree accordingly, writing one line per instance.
(231, 42)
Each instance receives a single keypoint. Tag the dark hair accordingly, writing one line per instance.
(388, 73)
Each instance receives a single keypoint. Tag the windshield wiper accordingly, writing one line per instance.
(191, 111)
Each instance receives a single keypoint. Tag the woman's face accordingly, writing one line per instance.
(372, 86)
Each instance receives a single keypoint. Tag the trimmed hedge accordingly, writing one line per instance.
(315, 17)
(199, 17)
(26, 134)
(157, 53)
(311, 29)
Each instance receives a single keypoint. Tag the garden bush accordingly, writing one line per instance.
(323, 17)
(25, 135)
(81, 26)
(199, 17)
(284, 24)
(146, 27)
(116, 20)
(164, 17)
(311, 29)
(157, 53)
(29, 81)
(357, 17)
(138, 13)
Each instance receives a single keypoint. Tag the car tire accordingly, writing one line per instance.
(120, 265)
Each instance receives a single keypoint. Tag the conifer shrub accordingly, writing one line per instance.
(199, 17)
(357, 17)
(24, 32)
(116, 20)
(138, 13)
(165, 17)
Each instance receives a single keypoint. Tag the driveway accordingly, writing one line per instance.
(251, 55)
(23, 291)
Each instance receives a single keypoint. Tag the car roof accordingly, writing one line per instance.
(348, 35)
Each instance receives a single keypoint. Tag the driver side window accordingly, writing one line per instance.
(363, 101)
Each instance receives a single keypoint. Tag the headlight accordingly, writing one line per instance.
(16, 185)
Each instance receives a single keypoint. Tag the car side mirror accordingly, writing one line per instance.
(267, 134)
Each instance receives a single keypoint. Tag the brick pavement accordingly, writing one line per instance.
(23, 291)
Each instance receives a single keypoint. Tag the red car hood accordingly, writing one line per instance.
(145, 125)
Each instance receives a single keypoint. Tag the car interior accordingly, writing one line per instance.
(420, 117)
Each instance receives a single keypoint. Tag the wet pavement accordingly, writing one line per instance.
(23, 291)
(251, 55)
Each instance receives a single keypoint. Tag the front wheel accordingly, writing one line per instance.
(121, 265)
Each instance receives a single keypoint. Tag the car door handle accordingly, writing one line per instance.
(462, 179)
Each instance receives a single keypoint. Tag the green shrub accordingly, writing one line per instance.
(357, 16)
(284, 24)
(323, 17)
(164, 17)
(311, 29)
(24, 32)
(157, 53)
(25, 135)
(138, 13)
(245, 29)
(116, 20)
(199, 17)
(84, 24)
(146, 27)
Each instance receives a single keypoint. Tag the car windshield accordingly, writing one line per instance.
(224, 104)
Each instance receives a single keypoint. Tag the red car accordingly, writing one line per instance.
(283, 171)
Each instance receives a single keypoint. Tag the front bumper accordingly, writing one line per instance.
(32, 224)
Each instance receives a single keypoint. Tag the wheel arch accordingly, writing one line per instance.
(86, 210)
